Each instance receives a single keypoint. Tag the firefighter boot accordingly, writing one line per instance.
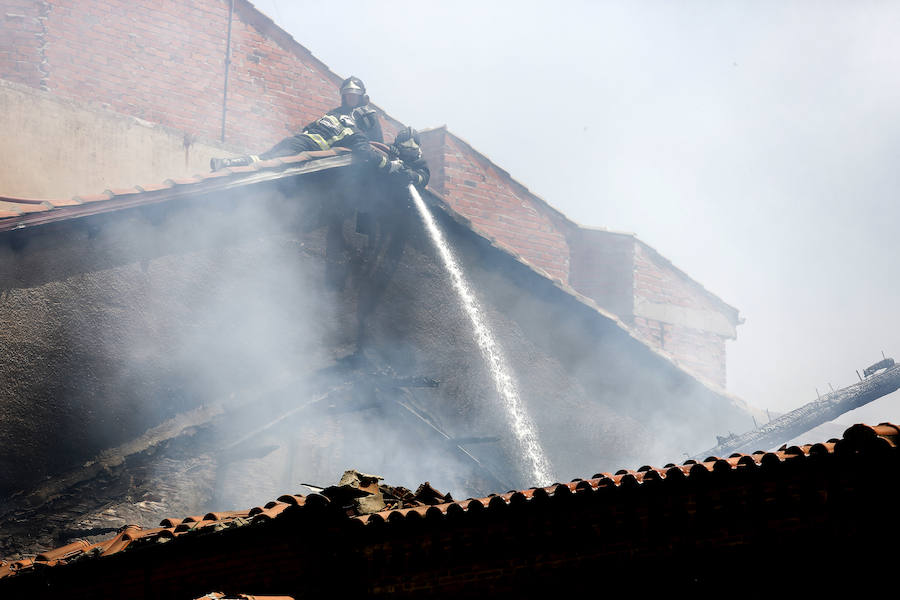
(220, 163)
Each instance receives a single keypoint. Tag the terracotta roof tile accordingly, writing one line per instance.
(17, 200)
(81, 199)
(124, 191)
(272, 163)
(24, 207)
(63, 202)
(210, 176)
(153, 187)
(64, 551)
(268, 513)
(857, 439)
(293, 160)
(296, 499)
(225, 515)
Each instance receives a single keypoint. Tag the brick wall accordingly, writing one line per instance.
(22, 35)
(674, 313)
(497, 205)
(164, 61)
(700, 352)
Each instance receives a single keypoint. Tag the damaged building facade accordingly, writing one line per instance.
(194, 342)
(97, 65)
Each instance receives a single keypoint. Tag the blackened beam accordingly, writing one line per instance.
(799, 421)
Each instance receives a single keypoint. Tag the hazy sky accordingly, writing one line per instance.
(755, 144)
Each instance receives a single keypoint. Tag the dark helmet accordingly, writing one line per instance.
(406, 134)
(407, 144)
(353, 85)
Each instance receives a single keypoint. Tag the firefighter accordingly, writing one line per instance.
(406, 162)
(355, 102)
(351, 125)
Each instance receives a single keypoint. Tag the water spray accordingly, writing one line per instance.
(521, 423)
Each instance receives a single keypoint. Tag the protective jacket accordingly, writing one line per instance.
(366, 120)
(415, 170)
(336, 128)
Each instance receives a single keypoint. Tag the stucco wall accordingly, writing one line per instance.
(56, 148)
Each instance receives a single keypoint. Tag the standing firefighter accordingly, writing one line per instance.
(351, 125)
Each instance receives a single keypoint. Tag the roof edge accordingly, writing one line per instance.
(520, 187)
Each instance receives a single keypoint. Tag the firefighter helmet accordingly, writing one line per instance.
(407, 144)
(353, 85)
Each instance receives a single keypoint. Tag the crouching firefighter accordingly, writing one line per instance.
(405, 166)
(406, 162)
(351, 125)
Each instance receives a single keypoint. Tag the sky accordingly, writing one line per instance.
(754, 144)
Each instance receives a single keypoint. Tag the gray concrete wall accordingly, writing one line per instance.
(602, 268)
(55, 148)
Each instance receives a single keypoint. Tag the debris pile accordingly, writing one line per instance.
(362, 494)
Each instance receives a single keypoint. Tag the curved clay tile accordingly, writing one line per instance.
(267, 514)
(63, 552)
(192, 519)
(652, 476)
(223, 515)
(191, 525)
(22, 565)
(295, 499)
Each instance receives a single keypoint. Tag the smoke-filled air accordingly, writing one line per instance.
(752, 143)
(489, 246)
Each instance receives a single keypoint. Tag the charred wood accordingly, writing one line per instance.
(797, 422)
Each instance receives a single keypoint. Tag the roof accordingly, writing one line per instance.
(427, 505)
(20, 213)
